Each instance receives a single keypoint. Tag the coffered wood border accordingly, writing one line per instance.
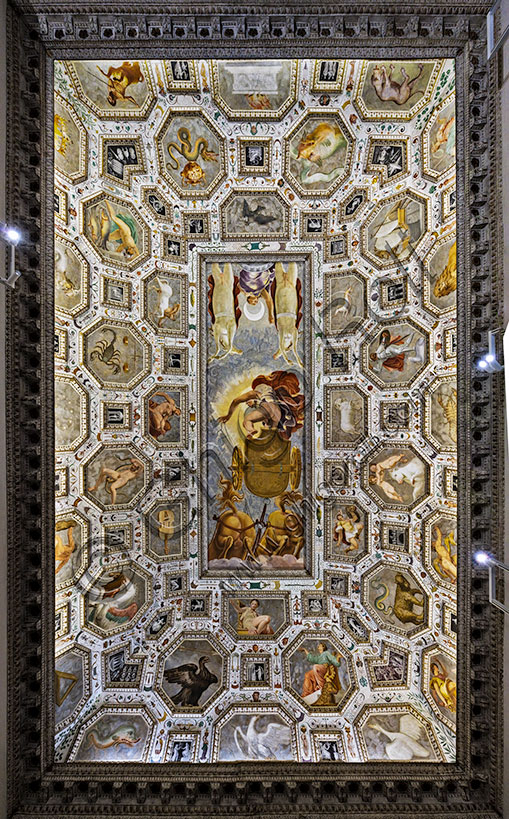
(38, 33)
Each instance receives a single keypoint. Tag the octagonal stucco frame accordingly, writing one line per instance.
(313, 115)
(332, 639)
(187, 637)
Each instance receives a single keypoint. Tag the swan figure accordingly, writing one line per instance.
(404, 744)
(270, 743)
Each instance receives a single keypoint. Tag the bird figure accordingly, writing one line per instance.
(193, 679)
(344, 302)
(404, 744)
(258, 744)
(257, 214)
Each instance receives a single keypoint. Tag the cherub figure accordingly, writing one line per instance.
(442, 688)
(119, 80)
(115, 479)
(160, 413)
(445, 563)
(348, 528)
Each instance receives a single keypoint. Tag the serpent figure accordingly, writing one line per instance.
(379, 604)
(192, 172)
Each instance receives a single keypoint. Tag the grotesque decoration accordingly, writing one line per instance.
(256, 271)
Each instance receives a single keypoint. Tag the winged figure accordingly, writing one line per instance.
(271, 743)
(407, 742)
(193, 679)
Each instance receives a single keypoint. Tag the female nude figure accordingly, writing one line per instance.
(249, 620)
(377, 476)
(115, 479)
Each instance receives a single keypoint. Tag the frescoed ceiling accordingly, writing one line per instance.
(255, 411)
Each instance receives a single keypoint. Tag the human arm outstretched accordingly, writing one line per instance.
(241, 399)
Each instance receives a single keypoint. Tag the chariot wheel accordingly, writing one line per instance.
(237, 468)
(295, 467)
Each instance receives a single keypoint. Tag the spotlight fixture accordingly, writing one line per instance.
(11, 236)
(489, 362)
(485, 559)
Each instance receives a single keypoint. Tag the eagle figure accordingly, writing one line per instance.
(193, 679)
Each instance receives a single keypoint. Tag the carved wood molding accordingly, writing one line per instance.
(338, 24)
(38, 33)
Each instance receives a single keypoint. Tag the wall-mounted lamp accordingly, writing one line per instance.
(485, 559)
(10, 236)
(488, 363)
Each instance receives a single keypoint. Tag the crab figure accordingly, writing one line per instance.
(105, 352)
(192, 174)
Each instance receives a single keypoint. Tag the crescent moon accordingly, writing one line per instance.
(254, 312)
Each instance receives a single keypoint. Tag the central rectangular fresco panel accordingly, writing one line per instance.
(256, 440)
(255, 414)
